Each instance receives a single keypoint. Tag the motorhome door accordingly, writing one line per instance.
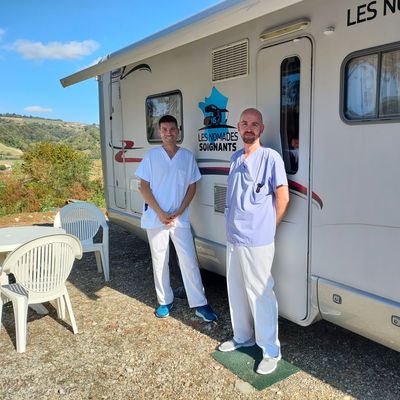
(117, 143)
(284, 97)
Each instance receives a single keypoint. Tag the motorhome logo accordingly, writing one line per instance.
(120, 156)
(216, 134)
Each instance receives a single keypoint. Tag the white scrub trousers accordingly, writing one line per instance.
(252, 301)
(184, 246)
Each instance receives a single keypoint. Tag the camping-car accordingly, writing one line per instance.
(326, 76)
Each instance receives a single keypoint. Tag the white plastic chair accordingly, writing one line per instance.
(41, 268)
(83, 220)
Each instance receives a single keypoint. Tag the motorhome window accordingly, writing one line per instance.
(159, 105)
(290, 106)
(361, 85)
(389, 99)
(372, 87)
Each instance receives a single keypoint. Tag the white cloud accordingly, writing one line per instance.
(54, 50)
(2, 33)
(38, 109)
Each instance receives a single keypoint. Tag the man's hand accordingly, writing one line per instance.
(165, 218)
(173, 217)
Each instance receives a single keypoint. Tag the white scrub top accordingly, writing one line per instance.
(169, 180)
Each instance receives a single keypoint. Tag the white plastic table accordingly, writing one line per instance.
(13, 237)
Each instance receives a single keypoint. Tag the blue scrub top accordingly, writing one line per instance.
(250, 212)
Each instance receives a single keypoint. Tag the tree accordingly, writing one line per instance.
(56, 172)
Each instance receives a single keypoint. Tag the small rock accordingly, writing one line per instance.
(61, 391)
(244, 387)
(129, 370)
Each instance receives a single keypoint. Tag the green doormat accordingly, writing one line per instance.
(244, 361)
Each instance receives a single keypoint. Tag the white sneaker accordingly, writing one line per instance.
(267, 366)
(232, 344)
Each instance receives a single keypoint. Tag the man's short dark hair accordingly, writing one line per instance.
(168, 119)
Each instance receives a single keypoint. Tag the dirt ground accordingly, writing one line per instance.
(28, 219)
(123, 352)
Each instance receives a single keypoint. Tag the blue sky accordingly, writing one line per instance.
(42, 41)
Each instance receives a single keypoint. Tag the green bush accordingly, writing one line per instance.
(97, 193)
(48, 176)
(57, 168)
(16, 197)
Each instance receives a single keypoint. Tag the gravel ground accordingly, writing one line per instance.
(124, 352)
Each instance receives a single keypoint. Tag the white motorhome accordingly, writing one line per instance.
(326, 76)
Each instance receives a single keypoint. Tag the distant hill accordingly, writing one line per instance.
(9, 152)
(19, 132)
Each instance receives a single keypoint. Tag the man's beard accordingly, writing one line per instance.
(249, 138)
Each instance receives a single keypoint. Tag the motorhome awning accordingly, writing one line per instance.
(218, 18)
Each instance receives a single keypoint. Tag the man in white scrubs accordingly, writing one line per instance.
(168, 176)
(257, 199)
